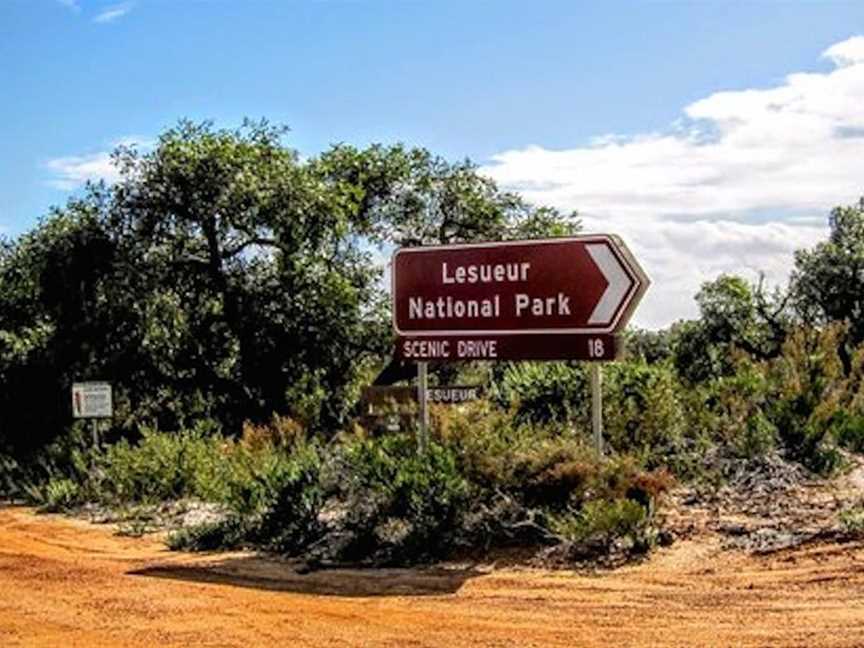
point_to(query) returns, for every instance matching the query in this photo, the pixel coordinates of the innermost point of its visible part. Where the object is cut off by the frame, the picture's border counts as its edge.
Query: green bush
(163, 466)
(848, 429)
(419, 498)
(758, 437)
(602, 521)
(60, 495)
(732, 411)
(496, 452)
(230, 533)
(544, 392)
(274, 493)
(852, 520)
(642, 410)
(67, 457)
(290, 499)
(808, 389)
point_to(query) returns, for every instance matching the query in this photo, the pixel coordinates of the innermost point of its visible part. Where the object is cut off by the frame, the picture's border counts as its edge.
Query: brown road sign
(513, 295)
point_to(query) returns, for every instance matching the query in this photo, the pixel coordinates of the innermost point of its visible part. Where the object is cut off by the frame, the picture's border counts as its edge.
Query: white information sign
(92, 400)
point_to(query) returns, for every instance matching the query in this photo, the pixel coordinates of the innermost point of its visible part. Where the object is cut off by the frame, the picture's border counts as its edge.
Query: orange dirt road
(67, 583)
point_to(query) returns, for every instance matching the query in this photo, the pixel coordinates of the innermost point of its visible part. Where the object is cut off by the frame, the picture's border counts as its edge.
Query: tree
(735, 315)
(225, 277)
(50, 328)
(409, 197)
(253, 257)
(828, 280)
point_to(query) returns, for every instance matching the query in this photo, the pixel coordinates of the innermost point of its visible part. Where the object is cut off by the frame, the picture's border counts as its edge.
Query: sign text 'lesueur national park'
(562, 298)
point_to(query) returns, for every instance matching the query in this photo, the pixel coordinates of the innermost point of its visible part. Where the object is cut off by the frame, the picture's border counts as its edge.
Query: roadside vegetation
(227, 289)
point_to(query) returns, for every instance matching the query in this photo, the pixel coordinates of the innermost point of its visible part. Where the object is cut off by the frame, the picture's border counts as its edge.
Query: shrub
(274, 495)
(407, 504)
(758, 437)
(290, 501)
(229, 533)
(731, 411)
(60, 495)
(545, 392)
(852, 520)
(67, 457)
(163, 466)
(602, 522)
(280, 432)
(848, 429)
(642, 410)
(808, 389)
(494, 451)
(545, 465)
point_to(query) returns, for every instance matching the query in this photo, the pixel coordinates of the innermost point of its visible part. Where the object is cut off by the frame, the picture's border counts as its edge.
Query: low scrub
(402, 506)
(484, 481)
(601, 522)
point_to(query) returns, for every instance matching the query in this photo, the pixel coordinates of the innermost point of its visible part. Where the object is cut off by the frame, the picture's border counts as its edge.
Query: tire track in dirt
(67, 583)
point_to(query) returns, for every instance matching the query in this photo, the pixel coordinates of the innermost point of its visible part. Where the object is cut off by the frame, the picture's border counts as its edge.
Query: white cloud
(109, 14)
(70, 172)
(744, 179)
(848, 52)
(73, 171)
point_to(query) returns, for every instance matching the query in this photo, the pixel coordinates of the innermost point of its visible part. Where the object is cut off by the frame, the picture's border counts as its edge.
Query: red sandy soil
(68, 583)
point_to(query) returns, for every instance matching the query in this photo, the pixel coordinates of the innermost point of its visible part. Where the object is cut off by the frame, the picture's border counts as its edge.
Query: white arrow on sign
(618, 283)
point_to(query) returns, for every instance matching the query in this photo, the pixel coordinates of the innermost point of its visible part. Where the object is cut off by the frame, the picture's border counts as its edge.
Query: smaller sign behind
(454, 394)
(378, 398)
(92, 400)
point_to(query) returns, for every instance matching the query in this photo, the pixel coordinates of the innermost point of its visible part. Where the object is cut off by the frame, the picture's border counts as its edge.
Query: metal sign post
(423, 400)
(597, 406)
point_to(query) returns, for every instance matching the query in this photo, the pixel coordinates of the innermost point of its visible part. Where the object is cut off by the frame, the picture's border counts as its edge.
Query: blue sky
(538, 92)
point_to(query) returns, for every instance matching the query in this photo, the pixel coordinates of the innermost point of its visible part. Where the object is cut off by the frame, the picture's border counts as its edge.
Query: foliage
(733, 411)
(602, 521)
(828, 283)
(61, 494)
(420, 497)
(547, 471)
(852, 520)
(736, 317)
(848, 429)
(162, 467)
(230, 533)
(642, 410)
(225, 278)
(543, 392)
(228, 289)
(649, 346)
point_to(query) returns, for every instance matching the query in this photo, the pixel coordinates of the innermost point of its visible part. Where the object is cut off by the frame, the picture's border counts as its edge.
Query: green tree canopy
(734, 314)
(224, 276)
(828, 280)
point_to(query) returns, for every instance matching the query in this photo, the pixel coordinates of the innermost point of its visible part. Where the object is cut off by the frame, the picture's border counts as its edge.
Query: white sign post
(597, 406)
(92, 400)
